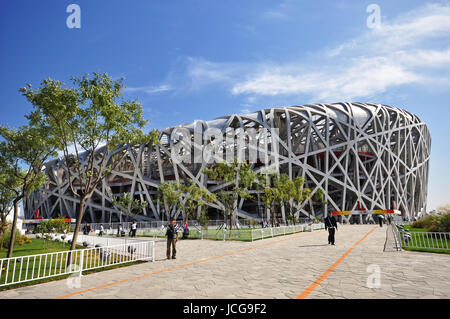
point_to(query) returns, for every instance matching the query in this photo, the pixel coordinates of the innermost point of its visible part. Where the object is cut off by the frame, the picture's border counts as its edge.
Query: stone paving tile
(281, 267)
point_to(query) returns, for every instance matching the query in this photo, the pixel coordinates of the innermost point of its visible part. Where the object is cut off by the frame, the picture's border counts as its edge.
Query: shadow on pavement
(312, 245)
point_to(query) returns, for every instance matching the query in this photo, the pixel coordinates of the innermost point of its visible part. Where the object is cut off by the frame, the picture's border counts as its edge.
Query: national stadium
(362, 156)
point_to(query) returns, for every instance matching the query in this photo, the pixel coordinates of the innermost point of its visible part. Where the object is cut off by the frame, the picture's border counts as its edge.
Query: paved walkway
(300, 265)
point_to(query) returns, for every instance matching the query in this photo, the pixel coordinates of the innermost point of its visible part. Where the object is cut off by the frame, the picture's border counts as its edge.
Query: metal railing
(90, 240)
(422, 240)
(111, 228)
(284, 230)
(393, 241)
(36, 267)
(221, 233)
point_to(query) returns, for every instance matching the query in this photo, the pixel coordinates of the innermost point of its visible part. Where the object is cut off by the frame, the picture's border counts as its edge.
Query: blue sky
(189, 60)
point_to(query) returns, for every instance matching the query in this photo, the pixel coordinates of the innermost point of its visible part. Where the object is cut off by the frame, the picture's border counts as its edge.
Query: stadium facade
(362, 155)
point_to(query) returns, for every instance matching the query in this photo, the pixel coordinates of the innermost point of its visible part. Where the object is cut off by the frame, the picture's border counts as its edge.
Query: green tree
(279, 189)
(170, 193)
(271, 194)
(130, 206)
(92, 120)
(195, 196)
(47, 227)
(239, 177)
(285, 189)
(22, 156)
(203, 220)
(44, 229)
(7, 197)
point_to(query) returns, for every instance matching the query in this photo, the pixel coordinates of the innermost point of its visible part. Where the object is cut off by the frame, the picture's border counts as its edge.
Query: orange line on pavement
(186, 265)
(327, 272)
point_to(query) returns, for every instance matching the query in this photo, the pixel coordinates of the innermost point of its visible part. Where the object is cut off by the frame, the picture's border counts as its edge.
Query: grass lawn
(419, 238)
(36, 247)
(411, 229)
(26, 269)
(439, 251)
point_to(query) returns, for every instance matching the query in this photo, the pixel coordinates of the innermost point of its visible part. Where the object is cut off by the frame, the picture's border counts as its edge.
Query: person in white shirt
(133, 229)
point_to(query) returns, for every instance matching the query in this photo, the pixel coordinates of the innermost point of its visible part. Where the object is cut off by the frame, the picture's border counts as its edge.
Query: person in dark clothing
(380, 220)
(86, 229)
(172, 238)
(331, 226)
(186, 231)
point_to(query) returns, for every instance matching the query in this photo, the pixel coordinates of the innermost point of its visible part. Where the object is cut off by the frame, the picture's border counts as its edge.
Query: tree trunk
(80, 212)
(13, 229)
(2, 232)
(226, 217)
(273, 215)
(231, 222)
(292, 214)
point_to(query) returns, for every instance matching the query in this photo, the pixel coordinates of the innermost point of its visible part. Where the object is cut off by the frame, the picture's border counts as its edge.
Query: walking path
(295, 266)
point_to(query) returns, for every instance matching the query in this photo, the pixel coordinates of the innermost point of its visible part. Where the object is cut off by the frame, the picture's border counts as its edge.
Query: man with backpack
(172, 238)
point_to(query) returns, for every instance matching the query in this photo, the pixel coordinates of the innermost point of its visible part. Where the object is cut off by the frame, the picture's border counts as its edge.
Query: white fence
(34, 267)
(424, 240)
(91, 240)
(111, 228)
(283, 230)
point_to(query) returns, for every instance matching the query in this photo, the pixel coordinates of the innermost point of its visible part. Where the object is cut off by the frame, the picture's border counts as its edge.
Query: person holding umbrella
(380, 219)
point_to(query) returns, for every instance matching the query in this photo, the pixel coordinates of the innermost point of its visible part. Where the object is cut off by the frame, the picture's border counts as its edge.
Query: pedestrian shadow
(312, 246)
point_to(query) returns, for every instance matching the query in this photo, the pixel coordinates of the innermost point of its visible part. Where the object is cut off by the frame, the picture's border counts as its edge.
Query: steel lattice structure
(361, 155)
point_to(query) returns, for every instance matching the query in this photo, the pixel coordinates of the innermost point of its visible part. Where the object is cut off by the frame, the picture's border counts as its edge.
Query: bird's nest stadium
(361, 155)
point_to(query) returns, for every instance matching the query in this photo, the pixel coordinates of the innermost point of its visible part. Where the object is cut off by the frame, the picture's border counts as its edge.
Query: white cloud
(411, 29)
(365, 77)
(412, 49)
(150, 89)
(202, 72)
(278, 13)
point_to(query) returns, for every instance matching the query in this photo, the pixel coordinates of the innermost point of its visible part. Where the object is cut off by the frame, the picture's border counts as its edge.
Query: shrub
(445, 222)
(434, 223)
(22, 240)
(203, 220)
(6, 237)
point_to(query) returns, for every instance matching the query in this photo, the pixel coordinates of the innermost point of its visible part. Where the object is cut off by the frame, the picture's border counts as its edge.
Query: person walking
(186, 230)
(380, 220)
(119, 230)
(172, 238)
(85, 230)
(133, 228)
(331, 226)
(101, 230)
